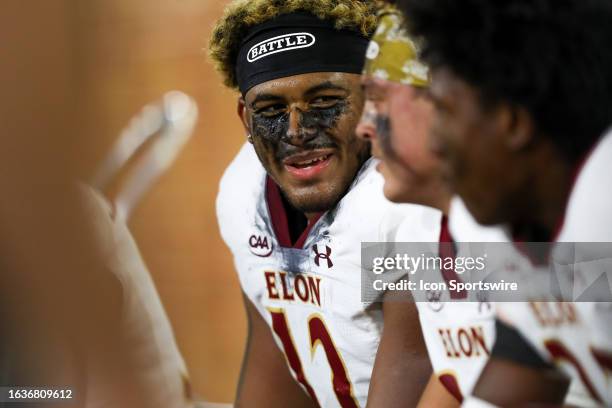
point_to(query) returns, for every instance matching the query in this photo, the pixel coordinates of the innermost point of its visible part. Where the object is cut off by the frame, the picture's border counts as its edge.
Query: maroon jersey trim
(448, 251)
(278, 216)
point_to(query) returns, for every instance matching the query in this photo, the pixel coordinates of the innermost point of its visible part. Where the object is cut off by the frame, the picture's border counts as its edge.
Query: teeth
(309, 162)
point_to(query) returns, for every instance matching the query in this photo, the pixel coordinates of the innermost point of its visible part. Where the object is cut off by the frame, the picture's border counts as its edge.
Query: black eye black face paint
(323, 118)
(271, 129)
(383, 130)
(313, 125)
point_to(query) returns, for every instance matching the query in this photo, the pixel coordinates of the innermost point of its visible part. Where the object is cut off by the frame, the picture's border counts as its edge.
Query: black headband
(297, 43)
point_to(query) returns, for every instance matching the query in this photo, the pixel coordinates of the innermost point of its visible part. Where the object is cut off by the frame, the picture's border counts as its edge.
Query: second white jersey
(459, 335)
(310, 293)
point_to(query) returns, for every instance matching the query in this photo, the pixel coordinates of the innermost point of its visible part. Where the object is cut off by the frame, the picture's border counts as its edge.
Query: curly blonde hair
(241, 15)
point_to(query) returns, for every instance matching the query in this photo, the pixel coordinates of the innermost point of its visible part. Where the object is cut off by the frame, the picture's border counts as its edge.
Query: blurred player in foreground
(80, 318)
(523, 99)
(142, 153)
(296, 204)
(396, 119)
(96, 329)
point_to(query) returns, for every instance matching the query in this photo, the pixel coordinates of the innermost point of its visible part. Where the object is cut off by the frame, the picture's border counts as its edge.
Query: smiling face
(396, 119)
(303, 130)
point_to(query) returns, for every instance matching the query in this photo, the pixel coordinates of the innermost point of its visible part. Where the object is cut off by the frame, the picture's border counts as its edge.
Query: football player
(297, 202)
(523, 100)
(396, 119)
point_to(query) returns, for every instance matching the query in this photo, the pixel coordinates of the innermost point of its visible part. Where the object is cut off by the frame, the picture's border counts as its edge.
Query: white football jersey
(146, 331)
(577, 336)
(459, 335)
(310, 293)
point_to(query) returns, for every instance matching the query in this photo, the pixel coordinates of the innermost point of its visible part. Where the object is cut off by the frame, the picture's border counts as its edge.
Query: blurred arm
(265, 380)
(402, 367)
(506, 383)
(516, 374)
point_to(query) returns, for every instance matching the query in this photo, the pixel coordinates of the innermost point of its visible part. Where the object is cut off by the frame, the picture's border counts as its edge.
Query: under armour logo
(326, 256)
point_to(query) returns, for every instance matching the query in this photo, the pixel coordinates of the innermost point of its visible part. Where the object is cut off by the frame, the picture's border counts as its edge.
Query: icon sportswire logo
(281, 43)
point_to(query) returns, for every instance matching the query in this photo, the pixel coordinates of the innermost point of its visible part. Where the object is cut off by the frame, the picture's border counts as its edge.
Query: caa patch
(260, 245)
(281, 43)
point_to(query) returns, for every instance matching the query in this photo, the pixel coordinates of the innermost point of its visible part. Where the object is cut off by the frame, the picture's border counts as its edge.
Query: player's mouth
(309, 165)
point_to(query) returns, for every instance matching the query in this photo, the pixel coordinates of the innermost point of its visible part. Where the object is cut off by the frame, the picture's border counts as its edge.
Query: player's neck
(296, 220)
(442, 202)
(311, 216)
(438, 197)
(547, 193)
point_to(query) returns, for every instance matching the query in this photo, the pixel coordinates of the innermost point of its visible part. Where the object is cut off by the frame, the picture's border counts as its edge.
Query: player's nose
(296, 134)
(366, 128)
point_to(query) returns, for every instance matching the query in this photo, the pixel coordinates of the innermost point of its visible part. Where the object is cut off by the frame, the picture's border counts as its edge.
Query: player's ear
(518, 126)
(242, 114)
